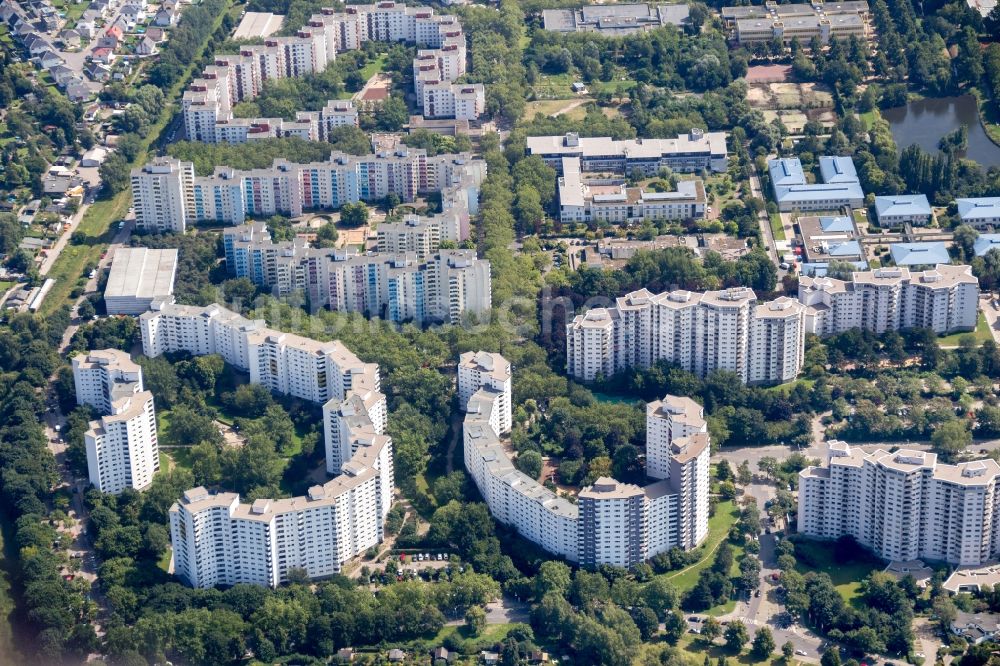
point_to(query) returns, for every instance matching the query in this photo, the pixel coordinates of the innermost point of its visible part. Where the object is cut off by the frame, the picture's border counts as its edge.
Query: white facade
(217, 540)
(478, 370)
(462, 101)
(695, 151)
(122, 447)
(162, 194)
(229, 195)
(701, 332)
(208, 101)
(904, 505)
(944, 299)
(103, 376)
(667, 420)
(613, 523)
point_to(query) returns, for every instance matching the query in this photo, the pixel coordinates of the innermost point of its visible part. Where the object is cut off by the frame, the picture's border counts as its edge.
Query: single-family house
(107, 42)
(396, 656)
(49, 22)
(440, 656)
(61, 74)
(103, 55)
(86, 29)
(133, 11)
(97, 71)
(165, 18)
(156, 34)
(70, 38)
(344, 655)
(903, 209)
(115, 31)
(489, 658)
(979, 213)
(78, 91)
(49, 59)
(146, 46)
(36, 46)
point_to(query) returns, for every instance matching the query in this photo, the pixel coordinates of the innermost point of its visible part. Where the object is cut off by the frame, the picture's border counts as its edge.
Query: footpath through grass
(96, 225)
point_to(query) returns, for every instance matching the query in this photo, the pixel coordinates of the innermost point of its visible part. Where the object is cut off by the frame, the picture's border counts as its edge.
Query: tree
(710, 629)
(86, 309)
(647, 622)
(763, 644)
(674, 627)
(787, 651)
(743, 474)
(115, 173)
(392, 115)
(736, 636)
(529, 462)
(354, 214)
(475, 620)
(951, 438)
(552, 576)
(723, 472)
(831, 657)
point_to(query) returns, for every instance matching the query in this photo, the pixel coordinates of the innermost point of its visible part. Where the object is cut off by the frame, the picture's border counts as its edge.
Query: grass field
(981, 334)
(846, 577)
(493, 634)
(558, 86)
(550, 107)
(696, 649)
(726, 514)
(777, 230)
(96, 225)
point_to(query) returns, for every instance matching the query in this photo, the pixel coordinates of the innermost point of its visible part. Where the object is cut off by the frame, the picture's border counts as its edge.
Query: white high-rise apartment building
(103, 376)
(163, 195)
(229, 195)
(463, 101)
(217, 540)
(668, 420)
(904, 505)
(613, 523)
(478, 370)
(944, 299)
(208, 101)
(122, 448)
(700, 332)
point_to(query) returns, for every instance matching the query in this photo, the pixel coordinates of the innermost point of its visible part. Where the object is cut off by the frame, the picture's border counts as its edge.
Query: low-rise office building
(615, 20)
(786, 22)
(981, 213)
(904, 505)
(695, 151)
(609, 200)
(903, 209)
(792, 191)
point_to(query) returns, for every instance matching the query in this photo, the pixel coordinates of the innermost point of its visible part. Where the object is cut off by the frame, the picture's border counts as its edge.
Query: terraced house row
(612, 523)
(219, 541)
(168, 196)
(209, 100)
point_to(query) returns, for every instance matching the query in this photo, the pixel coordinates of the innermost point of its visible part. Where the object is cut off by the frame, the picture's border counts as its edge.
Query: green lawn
(981, 334)
(696, 649)
(368, 71)
(777, 230)
(493, 634)
(846, 577)
(726, 514)
(869, 118)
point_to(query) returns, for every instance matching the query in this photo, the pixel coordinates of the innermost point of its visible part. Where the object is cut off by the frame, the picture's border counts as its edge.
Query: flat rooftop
(139, 272)
(258, 24)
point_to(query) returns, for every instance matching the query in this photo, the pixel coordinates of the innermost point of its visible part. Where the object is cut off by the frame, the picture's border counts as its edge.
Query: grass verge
(777, 230)
(726, 515)
(981, 334)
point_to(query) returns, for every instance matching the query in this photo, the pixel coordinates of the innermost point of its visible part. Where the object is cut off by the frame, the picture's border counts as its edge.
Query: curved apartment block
(612, 522)
(218, 540)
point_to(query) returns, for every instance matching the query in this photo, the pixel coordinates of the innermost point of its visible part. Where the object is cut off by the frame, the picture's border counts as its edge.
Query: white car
(801, 653)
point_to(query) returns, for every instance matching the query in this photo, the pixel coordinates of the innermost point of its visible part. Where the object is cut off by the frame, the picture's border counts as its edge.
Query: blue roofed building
(979, 213)
(903, 209)
(985, 243)
(919, 254)
(829, 238)
(840, 186)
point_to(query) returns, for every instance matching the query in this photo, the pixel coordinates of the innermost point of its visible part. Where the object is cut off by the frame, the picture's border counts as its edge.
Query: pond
(925, 121)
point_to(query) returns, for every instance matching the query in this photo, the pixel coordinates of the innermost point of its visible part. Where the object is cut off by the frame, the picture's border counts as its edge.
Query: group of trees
(666, 58)
(187, 41)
